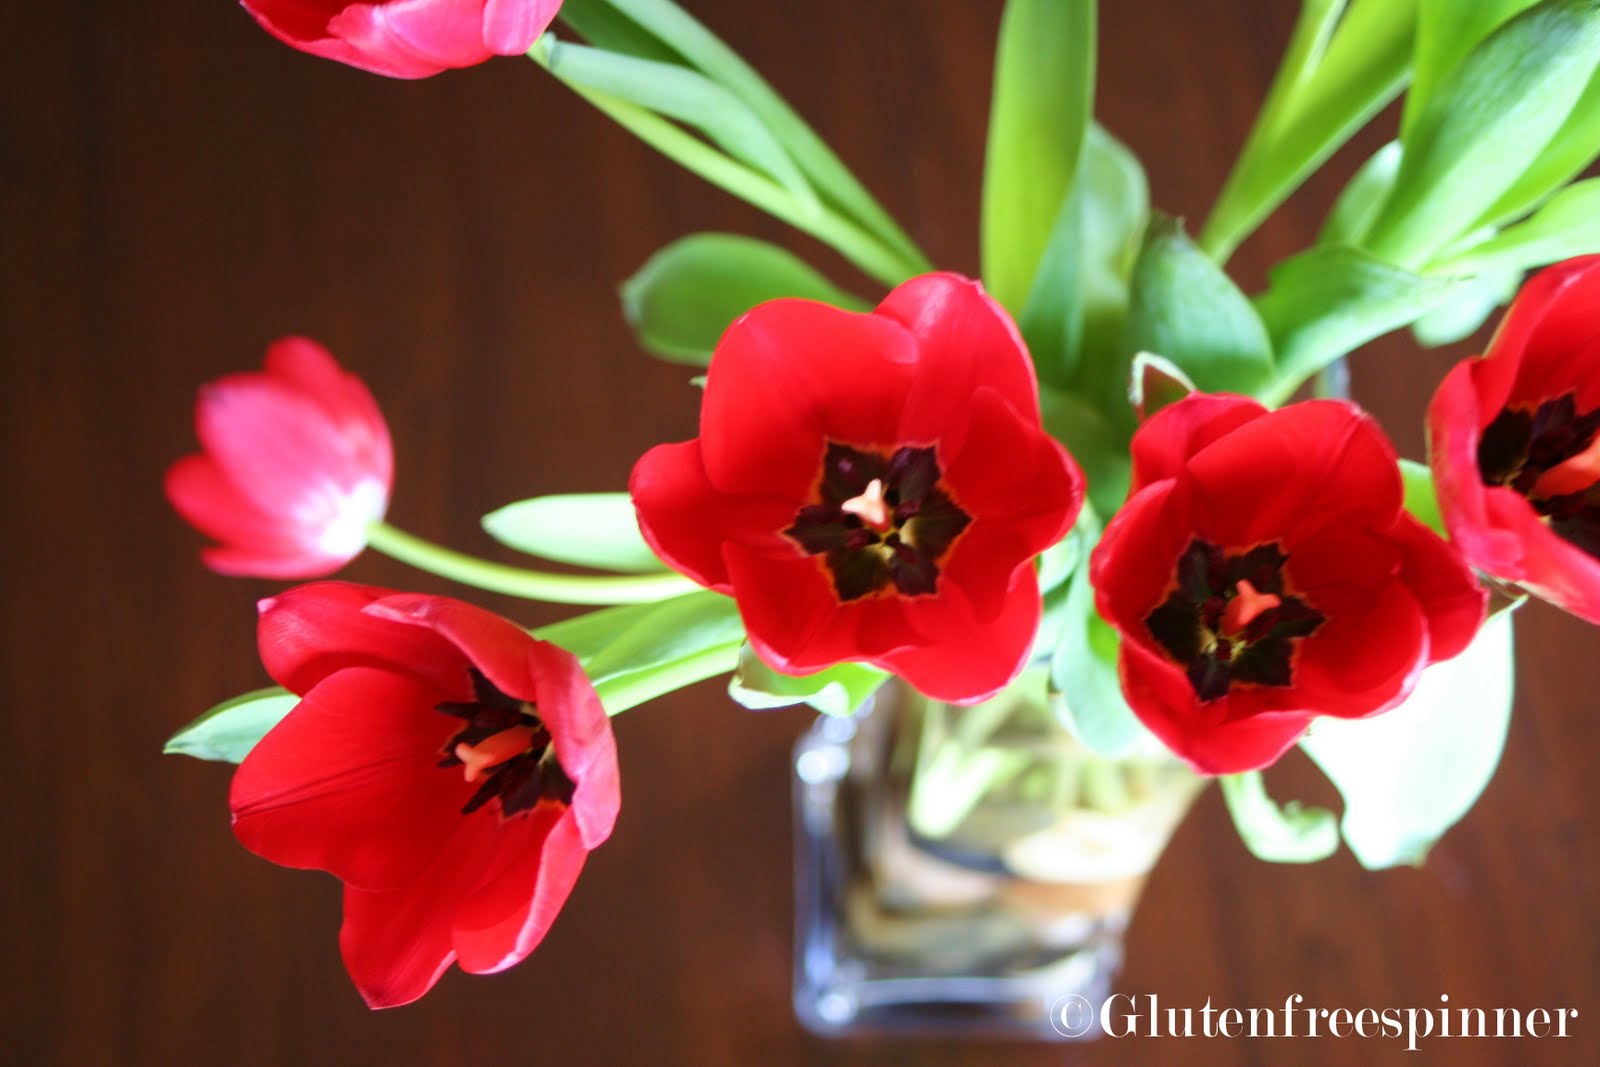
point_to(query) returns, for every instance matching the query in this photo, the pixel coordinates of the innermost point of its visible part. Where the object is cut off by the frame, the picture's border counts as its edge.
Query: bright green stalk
(690, 38)
(519, 582)
(695, 156)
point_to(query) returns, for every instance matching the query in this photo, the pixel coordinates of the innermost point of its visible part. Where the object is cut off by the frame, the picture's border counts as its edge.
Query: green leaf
(660, 635)
(1100, 448)
(1420, 498)
(1287, 834)
(1184, 308)
(1363, 67)
(1358, 205)
(680, 94)
(1043, 96)
(1464, 312)
(1447, 31)
(1568, 154)
(587, 635)
(1494, 113)
(637, 652)
(230, 730)
(838, 690)
(1083, 672)
(683, 298)
(596, 530)
(1326, 302)
(1567, 225)
(1079, 300)
(1410, 774)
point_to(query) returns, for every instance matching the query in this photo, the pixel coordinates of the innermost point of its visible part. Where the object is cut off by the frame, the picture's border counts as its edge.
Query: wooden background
(179, 189)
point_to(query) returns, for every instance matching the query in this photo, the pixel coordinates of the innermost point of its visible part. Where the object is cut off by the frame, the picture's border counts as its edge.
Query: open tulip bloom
(1086, 470)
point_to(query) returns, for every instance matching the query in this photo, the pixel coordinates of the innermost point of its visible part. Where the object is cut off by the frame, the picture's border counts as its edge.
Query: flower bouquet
(1064, 540)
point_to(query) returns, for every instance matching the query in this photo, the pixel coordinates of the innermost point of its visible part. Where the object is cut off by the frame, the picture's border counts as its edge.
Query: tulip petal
(309, 632)
(1327, 462)
(1550, 566)
(1132, 567)
(305, 25)
(685, 520)
(1551, 318)
(511, 26)
(1359, 663)
(441, 34)
(1455, 424)
(310, 370)
(1172, 435)
(1010, 470)
(284, 455)
(199, 491)
(1445, 587)
(396, 944)
(795, 621)
(290, 565)
(1227, 736)
(965, 342)
(790, 376)
(348, 783)
(507, 916)
(991, 655)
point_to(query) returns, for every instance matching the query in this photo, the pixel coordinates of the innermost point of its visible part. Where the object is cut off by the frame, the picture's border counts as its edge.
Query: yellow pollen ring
(493, 751)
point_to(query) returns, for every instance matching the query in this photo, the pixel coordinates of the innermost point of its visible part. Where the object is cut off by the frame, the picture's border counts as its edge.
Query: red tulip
(452, 771)
(406, 38)
(871, 487)
(297, 465)
(1263, 572)
(1514, 441)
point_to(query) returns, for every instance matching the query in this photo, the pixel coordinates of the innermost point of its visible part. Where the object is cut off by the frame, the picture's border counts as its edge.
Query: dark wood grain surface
(178, 189)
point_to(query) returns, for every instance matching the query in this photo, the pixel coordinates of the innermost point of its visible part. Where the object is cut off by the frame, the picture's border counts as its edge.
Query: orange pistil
(493, 751)
(870, 507)
(1246, 606)
(1573, 475)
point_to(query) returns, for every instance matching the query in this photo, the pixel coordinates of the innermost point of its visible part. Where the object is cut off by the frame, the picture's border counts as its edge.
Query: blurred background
(179, 189)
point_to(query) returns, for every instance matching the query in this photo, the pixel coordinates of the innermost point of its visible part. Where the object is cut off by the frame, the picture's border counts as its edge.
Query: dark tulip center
(1229, 618)
(1551, 456)
(506, 749)
(880, 522)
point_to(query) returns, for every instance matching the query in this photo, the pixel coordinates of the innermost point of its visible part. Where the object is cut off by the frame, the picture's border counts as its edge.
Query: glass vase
(968, 870)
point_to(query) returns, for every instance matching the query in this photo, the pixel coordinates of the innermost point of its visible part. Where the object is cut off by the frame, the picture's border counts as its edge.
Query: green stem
(519, 582)
(826, 225)
(1240, 206)
(681, 31)
(631, 690)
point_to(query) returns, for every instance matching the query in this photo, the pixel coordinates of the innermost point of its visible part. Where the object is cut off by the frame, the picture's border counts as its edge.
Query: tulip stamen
(1246, 606)
(880, 524)
(870, 507)
(506, 749)
(1230, 618)
(493, 750)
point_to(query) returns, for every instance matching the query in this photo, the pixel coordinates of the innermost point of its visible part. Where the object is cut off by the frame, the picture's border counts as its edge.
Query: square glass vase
(958, 877)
